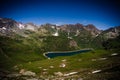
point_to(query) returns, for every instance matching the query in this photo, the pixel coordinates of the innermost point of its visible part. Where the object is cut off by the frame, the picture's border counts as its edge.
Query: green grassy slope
(14, 51)
(83, 63)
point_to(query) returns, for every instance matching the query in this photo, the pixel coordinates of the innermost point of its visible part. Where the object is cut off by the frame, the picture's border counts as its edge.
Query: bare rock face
(73, 43)
(31, 26)
(10, 27)
(92, 29)
(7, 26)
(112, 32)
(7, 23)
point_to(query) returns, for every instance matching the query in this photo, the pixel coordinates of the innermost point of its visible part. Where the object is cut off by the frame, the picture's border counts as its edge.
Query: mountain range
(9, 25)
(83, 36)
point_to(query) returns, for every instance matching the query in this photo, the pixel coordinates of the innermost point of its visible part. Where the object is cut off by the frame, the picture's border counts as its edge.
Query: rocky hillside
(7, 25)
(83, 36)
(111, 32)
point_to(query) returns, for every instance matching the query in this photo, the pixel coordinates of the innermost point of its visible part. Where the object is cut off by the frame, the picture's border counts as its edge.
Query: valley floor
(93, 65)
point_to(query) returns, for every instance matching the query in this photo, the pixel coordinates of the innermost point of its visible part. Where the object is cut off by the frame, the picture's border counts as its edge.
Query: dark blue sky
(102, 13)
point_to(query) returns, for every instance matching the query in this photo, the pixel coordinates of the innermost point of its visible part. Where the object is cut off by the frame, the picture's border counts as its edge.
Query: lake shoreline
(66, 52)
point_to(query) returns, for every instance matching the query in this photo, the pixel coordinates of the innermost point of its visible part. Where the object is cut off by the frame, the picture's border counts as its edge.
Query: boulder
(64, 60)
(58, 73)
(13, 75)
(45, 69)
(51, 66)
(29, 73)
(71, 73)
(96, 71)
(22, 71)
(62, 65)
(114, 54)
(102, 58)
(32, 79)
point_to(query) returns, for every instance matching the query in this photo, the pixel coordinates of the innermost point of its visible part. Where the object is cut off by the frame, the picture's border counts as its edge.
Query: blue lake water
(56, 54)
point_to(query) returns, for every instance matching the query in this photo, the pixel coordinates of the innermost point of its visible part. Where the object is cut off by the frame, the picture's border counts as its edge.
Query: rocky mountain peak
(112, 32)
(8, 26)
(7, 23)
(30, 26)
(92, 29)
